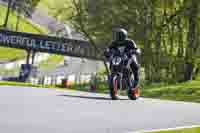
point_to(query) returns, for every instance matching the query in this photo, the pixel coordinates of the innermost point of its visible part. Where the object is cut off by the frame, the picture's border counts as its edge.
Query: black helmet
(119, 34)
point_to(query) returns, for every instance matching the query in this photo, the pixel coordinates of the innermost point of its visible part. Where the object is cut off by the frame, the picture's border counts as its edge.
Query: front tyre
(134, 94)
(114, 88)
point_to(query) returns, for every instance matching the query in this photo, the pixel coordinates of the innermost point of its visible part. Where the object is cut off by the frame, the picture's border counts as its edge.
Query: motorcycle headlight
(125, 57)
(116, 60)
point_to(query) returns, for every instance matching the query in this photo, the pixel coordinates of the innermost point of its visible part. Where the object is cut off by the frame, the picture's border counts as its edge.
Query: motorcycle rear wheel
(134, 94)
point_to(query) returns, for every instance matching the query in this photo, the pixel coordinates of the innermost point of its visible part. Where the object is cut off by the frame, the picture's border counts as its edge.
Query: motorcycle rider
(121, 42)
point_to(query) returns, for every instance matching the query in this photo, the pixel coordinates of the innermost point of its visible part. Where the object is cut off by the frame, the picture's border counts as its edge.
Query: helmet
(119, 34)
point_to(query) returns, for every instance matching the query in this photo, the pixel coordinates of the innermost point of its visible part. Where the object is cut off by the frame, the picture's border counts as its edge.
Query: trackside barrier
(64, 81)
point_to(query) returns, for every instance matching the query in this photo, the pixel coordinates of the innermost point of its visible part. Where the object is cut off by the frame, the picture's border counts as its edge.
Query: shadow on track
(88, 97)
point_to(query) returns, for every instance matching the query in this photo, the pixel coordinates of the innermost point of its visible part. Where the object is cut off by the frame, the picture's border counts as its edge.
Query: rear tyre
(134, 94)
(114, 88)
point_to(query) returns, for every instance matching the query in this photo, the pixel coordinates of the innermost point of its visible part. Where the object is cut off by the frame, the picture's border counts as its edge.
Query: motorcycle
(121, 76)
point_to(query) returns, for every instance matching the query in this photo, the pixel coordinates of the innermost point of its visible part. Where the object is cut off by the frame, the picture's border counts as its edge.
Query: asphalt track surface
(38, 110)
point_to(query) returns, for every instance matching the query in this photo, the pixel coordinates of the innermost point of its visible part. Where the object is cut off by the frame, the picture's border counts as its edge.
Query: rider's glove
(134, 51)
(107, 53)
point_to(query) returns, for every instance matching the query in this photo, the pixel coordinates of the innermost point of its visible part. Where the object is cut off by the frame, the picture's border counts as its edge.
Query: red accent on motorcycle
(136, 92)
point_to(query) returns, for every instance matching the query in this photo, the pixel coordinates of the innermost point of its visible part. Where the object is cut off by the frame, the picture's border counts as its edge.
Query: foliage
(25, 7)
(58, 9)
(22, 7)
(25, 25)
(167, 31)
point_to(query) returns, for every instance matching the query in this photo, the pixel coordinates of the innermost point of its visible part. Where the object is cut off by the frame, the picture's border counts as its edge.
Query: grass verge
(188, 91)
(9, 83)
(186, 130)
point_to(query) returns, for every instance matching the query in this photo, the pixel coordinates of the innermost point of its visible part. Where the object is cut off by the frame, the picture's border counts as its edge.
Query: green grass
(25, 26)
(12, 55)
(22, 84)
(188, 91)
(17, 84)
(189, 130)
(9, 83)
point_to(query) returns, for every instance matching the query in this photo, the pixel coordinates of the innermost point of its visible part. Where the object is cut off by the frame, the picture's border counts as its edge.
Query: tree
(22, 7)
(25, 7)
(7, 14)
(192, 38)
(79, 19)
(167, 31)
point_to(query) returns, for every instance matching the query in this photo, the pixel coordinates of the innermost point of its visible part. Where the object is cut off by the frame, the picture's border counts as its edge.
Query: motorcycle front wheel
(115, 86)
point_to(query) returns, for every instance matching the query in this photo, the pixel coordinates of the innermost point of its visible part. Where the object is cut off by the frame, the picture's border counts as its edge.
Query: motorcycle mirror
(138, 51)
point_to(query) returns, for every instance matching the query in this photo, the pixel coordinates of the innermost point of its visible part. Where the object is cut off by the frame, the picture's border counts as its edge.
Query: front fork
(126, 80)
(119, 78)
(131, 82)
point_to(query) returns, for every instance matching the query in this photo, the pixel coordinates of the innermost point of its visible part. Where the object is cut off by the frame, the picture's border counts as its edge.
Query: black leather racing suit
(128, 45)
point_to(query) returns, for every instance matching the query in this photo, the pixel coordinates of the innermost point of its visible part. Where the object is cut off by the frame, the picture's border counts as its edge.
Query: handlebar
(110, 52)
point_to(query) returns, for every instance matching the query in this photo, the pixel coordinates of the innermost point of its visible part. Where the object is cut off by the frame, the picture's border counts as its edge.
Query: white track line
(167, 129)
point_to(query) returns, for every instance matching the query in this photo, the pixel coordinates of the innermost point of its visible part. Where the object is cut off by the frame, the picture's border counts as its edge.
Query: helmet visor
(119, 35)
